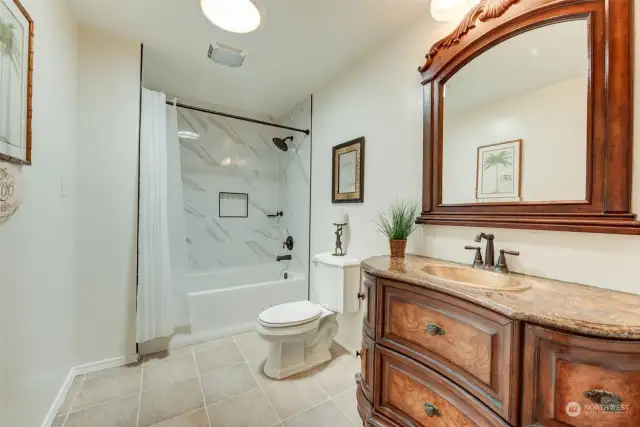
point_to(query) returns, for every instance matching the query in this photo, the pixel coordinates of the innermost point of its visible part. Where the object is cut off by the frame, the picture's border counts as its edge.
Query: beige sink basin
(477, 278)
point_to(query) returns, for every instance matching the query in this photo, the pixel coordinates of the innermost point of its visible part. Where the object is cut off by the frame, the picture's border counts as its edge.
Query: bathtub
(228, 301)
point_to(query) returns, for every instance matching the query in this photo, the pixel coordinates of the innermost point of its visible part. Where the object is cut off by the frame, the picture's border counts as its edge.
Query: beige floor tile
(116, 413)
(227, 382)
(252, 345)
(290, 395)
(257, 365)
(213, 343)
(159, 372)
(349, 405)
(102, 386)
(71, 394)
(338, 375)
(247, 410)
(59, 421)
(170, 401)
(218, 356)
(324, 415)
(193, 419)
(169, 354)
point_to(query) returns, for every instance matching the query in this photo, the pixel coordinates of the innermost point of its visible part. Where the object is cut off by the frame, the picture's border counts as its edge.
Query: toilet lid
(290, 314)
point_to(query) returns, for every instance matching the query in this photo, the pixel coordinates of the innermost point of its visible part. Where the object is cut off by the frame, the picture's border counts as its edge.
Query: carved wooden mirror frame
(609, 116)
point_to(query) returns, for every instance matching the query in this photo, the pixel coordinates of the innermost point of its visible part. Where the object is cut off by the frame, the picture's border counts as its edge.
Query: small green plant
(399, 222)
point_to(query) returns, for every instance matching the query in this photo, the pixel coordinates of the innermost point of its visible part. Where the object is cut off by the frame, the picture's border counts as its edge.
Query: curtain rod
(233, 116)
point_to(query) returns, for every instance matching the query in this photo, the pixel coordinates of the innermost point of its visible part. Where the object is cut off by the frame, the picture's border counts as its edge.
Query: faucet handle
(501, 266)
(509, 252)
(477, 262)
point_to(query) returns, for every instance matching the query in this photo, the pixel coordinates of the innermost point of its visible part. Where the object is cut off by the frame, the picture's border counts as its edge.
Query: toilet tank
(335, 282)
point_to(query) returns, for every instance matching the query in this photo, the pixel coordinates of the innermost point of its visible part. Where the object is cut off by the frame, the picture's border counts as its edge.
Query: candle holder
(338, 233)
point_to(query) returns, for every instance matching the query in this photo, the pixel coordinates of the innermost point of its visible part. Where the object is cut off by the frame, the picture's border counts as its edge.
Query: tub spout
(283, 258)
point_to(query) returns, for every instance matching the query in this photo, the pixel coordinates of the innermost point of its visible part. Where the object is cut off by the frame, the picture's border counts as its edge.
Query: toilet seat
(290, 314)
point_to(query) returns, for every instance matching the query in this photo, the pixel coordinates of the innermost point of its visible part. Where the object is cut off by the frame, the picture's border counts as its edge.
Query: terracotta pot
(398, 248)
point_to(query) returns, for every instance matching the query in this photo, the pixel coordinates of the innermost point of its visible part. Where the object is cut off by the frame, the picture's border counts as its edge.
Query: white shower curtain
(159, 273)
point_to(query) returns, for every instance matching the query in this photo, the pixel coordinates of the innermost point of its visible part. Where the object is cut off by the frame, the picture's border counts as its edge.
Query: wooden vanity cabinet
(567, 376)
(369, 282)
(367, 360)
(414, 395)
(439, 360)
(466, 343)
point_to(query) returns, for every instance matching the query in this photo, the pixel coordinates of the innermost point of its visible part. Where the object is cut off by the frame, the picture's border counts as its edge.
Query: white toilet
(300, 333)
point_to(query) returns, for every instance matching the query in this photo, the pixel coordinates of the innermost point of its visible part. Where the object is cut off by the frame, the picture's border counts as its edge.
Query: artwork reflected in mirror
(498, 172)
(348, 172)
(16, 69)
(532, 87)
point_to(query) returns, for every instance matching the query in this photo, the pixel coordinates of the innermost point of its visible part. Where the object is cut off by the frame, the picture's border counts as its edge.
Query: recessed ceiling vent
(226, 55)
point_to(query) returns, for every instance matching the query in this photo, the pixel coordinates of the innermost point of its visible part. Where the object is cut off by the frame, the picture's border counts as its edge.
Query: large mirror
(515, 120)
(528, 118)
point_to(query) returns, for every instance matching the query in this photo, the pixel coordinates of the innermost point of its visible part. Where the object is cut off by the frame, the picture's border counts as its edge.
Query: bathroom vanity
(527, 125)
(443, 346)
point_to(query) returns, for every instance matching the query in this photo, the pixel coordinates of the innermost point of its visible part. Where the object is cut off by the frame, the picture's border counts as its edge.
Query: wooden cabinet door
(579, 382)
(369, 322)
(367, 358)
(473, 346)
(411, 394)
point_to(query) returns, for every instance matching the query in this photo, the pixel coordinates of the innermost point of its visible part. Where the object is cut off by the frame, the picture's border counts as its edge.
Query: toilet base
(290, 354)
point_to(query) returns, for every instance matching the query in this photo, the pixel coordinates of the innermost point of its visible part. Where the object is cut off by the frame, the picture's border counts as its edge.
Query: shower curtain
(161, 265)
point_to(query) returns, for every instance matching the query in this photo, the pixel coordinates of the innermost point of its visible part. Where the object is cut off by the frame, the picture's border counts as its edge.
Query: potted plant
(398, 224)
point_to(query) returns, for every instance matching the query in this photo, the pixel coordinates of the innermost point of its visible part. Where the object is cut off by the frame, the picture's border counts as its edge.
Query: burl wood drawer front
(369, 321)
(472, 346)
(414, 395)
(567, 377)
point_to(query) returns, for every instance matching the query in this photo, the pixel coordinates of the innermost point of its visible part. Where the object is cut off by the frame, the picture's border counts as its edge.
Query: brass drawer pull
(610, 401)
(434, 329)
(432, 410)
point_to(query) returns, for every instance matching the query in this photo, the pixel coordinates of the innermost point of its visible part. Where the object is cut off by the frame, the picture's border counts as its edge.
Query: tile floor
(214, 384)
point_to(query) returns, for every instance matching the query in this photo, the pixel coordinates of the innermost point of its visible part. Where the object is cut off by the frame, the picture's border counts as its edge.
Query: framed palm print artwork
(16, 72)
(499, 172)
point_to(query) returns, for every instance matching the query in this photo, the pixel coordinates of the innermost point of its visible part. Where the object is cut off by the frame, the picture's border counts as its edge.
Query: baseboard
(81, 370)
(59, 400)
(106, 364)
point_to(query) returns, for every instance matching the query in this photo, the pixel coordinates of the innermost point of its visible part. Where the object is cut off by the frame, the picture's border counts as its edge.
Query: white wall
(381, 98)
(37, 258)
(552, 124)
(108, 105)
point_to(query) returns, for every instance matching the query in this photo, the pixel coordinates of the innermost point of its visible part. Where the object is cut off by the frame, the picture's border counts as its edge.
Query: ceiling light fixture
(236, 16)
(449, 10)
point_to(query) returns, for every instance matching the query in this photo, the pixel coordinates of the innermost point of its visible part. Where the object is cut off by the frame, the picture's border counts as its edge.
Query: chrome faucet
(489, 255)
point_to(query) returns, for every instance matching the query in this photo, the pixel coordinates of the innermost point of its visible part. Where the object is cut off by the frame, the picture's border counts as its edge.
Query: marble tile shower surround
(295, 167)
(237, 156)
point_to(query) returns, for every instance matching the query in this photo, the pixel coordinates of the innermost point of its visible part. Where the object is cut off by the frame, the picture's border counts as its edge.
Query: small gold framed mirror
(348, 172)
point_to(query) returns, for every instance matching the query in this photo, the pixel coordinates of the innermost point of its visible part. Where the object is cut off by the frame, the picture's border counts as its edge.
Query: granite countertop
(569, 306)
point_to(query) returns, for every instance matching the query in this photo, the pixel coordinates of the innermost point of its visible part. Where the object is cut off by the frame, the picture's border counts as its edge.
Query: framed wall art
(499, 171)
(348, 172)
(16, 76)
